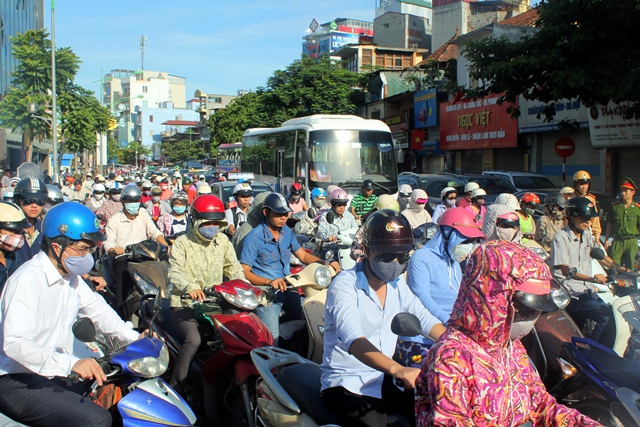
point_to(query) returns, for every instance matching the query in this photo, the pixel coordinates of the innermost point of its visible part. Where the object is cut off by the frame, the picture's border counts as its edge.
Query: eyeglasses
(452, 198)
(83, 251)
(27, 202)
(389, 257)
(507, 223)
(339, 205)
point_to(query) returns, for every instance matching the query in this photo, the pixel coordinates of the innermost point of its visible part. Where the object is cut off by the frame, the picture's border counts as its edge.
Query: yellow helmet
(581, 177)
(385, 201)
(12, 217)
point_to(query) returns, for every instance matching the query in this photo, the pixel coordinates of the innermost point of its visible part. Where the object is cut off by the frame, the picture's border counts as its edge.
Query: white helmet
(478, 192)
(98, 187)
(470, 187)
(243, 189)
(204, 189)
(446, 191)
(509, 200)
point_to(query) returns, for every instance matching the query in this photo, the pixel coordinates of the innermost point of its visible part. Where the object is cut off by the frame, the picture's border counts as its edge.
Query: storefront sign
(482, 123)
(424, 106)
(613, 126)
(338, 40)
(569, 110)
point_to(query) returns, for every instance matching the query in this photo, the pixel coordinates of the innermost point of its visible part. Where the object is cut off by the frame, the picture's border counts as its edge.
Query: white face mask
(461, 251)
(506, 234)
(450, 203)
(98, 196)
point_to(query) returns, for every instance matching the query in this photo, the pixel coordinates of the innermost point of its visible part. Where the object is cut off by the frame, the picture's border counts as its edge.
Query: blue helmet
(72, 220)
(318, 192)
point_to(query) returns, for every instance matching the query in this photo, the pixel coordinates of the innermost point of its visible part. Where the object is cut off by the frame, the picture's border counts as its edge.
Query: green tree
(581, 49)
(113, 149)
(80, 114)
(128, 153)
(227, 125)
(183, 150)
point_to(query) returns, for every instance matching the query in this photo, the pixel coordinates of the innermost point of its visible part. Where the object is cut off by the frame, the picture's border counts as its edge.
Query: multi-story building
(125, 92)
(210, 102)
(327, 38)
(149, 121)
(403, 23)
(15, 17)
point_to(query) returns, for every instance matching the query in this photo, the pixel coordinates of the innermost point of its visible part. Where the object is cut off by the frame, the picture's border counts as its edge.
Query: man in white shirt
(38, 307)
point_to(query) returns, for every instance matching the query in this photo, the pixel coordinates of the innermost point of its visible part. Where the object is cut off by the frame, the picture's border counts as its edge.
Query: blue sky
(218, 46)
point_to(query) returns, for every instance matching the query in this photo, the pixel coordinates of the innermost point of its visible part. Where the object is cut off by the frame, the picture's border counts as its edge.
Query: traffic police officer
(624, 221)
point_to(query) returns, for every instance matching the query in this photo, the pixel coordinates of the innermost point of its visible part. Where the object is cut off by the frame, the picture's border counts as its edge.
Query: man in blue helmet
(38, 307)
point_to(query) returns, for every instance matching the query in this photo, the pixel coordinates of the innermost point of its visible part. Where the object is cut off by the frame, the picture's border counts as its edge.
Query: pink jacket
(475, 375)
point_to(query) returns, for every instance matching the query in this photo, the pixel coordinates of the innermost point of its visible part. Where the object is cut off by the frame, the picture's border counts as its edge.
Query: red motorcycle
(222, 377)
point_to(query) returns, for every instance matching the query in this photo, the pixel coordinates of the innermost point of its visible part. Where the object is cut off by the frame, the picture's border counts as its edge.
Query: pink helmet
(339, 196)
(463, 221)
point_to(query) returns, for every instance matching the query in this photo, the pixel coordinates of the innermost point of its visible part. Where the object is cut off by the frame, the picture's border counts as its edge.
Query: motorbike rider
(156, 206)
(189, 188)
(12, 222)
(146, 192)
(528, 204)
(624, 221)
(501, 222)
(385, 201)
(357, 371)
(449, 195)
(570, 248)
(166, 190)
(203, 245)
(110, 207)
(465, 200)
(31, 195)
(78, 193)
(581, 187)
(36, 350)
(478, 373)
(237, 215)
(204, 189)
(318, 201)
(567, 193)
(404, 193)
(343, 220)
(97, 197)
(132, 225)
(177, 220)
(362, 203)
(415, 211)
(265, 255)
(552, 220)
(478, 198)
(296, 202)
(54, 196)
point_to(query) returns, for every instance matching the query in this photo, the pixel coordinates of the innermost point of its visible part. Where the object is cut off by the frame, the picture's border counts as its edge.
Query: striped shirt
(362, 205)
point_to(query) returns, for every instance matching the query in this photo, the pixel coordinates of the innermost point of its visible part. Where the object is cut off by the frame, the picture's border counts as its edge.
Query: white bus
(322, 150)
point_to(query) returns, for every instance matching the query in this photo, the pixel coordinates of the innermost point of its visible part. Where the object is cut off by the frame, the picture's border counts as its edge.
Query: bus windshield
(347, 157)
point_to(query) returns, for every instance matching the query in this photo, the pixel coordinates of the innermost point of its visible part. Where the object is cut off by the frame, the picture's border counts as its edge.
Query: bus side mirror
(306, 155)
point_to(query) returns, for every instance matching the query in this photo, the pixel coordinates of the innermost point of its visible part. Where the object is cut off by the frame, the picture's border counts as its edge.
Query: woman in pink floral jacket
(478, 373)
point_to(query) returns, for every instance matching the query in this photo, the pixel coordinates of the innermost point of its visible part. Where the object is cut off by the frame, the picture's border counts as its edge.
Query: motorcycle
(327, 250)
(222, 373)
(288, 389)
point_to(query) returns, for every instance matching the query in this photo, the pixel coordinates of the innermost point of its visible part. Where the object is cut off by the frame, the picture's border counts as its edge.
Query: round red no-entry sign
(565, 147)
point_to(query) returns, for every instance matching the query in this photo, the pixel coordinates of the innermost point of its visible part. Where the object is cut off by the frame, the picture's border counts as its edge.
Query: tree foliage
(228, 125)
(184, 150)
(434, 74)
(128, 154)
(582, 49)
(80, 115)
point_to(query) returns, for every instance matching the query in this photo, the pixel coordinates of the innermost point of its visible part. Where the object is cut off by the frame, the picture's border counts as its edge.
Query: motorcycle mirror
(330, 217)
(84, 330)
(572, 272)
(406, 324)
(418, 233)
(157, 301)
(597, 253)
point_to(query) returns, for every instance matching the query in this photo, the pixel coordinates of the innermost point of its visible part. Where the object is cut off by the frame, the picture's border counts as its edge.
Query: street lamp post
(54, 118)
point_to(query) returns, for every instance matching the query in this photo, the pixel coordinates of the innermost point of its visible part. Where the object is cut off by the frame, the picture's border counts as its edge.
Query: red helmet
(207, 207)
(463, 221)
(530, 198)
(296, 189)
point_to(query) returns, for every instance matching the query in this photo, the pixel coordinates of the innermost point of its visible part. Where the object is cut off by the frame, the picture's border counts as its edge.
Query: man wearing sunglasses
(342, 219)
(31, 196)
(358, 371)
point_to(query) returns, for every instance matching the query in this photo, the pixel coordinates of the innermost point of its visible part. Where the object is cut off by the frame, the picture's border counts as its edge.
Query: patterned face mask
(11, 242)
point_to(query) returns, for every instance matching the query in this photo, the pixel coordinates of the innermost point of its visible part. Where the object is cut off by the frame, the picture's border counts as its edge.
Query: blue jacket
(434, 277)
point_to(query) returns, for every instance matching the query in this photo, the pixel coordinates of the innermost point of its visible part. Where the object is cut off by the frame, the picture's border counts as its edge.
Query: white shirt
(122, 231)
(37, 310)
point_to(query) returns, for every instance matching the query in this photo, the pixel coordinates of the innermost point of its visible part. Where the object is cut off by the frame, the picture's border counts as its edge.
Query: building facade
(329, 37)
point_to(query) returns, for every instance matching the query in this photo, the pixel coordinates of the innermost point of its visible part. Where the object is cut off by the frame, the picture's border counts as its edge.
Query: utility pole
(54, 111)
(143, 42)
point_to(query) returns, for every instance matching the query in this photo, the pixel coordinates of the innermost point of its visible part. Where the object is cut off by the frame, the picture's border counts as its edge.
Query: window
(145, 104)
(144, 89)
(375, 115)
(385, 25)
(150, 134)
(150, 119)
(170, 93)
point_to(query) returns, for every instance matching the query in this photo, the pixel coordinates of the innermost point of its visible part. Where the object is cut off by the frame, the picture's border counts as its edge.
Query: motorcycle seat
(622, 372)
(302, 382)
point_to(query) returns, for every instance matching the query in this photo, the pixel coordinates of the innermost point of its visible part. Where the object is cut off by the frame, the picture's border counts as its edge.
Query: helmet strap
(58, 258)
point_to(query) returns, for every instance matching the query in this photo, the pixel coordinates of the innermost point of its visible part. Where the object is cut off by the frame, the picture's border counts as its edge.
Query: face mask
(461, 251)
(11, 242)
(451, 203)
(295, 198)
(506, 234)
(208, 232)
(480, 202)
(132, 208)
(387, 271)
(319, 202)
(521, 329)
(179, 209)
(79, 265)
(530, 211)
(146, 192)
(116, 197)
(155, 199)
(98, 196)
(164, 187)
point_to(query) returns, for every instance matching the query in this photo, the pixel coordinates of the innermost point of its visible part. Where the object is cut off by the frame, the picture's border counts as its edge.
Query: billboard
(424, 107)
(341, 39)
(612, 126)
(478, 124)
(570, 110)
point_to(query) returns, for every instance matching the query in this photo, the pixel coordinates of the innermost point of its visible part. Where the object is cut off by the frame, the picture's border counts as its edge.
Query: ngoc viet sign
(477, 124)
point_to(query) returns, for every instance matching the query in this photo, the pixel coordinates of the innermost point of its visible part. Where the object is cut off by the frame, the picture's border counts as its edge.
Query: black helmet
(580, 206)
(112, 175)
(131, 193)
(31, 188)
(115, 190)
(186, 181)
(555, 199)
(54, 194)
(277, 203)
(388, 231)
(367, 184)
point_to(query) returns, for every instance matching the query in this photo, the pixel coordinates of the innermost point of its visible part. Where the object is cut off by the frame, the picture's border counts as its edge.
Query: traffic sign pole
(565, 147)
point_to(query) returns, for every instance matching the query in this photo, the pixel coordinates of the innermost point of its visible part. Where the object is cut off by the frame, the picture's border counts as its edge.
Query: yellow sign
(112, 123)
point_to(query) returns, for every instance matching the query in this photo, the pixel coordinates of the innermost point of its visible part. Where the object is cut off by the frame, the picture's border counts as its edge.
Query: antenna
(143, 42)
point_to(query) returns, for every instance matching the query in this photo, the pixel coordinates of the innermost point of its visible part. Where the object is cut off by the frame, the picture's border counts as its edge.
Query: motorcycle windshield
(152, 272)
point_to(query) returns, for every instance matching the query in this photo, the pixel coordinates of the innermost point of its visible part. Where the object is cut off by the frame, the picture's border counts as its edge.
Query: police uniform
(626, 229)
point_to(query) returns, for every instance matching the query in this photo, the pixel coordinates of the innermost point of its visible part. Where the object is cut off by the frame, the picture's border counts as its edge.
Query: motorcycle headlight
(243, 298)
(560, 298)
(145, 287)
(151, 367)
(322, 276)
(624, 282)
(541, 252)
(329, 255)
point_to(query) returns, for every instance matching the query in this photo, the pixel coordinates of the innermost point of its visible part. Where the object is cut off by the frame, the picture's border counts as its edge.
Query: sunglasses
(27, 202)
(507, 223)
(98, 192)
(473, 241)
(452, 198)
(338, 205)
(389, 257)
